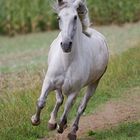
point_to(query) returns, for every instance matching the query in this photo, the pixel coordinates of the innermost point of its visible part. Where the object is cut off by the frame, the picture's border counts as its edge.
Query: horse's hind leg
(46, 88)
(59, 100)
(90, 91)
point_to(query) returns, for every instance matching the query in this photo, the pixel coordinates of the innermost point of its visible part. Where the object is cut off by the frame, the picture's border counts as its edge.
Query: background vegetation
(23, 16)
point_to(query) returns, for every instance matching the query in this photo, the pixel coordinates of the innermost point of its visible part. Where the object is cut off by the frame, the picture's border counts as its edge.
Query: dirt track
(111, 114)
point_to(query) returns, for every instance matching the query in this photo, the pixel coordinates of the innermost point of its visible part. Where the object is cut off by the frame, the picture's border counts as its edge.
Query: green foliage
(111, 11)
(22, 16)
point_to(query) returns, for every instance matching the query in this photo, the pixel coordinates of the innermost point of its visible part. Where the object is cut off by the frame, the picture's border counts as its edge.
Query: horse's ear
(60, 2)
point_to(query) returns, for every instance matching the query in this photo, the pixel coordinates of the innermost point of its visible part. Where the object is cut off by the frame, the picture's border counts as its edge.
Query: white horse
(75, 61)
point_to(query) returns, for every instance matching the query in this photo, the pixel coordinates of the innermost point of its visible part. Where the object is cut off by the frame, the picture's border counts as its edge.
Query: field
(23, 62)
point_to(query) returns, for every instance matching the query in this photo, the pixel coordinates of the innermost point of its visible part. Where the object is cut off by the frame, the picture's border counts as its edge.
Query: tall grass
(23, 16)
(16, 108)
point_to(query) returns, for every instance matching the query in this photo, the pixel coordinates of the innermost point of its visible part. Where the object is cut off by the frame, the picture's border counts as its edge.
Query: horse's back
(98, 43)
(96, 33)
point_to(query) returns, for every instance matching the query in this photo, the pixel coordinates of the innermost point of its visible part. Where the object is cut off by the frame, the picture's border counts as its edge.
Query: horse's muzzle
(66, 46)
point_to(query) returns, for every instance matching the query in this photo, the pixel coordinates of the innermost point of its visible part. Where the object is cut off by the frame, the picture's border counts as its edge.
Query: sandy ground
(114, 112)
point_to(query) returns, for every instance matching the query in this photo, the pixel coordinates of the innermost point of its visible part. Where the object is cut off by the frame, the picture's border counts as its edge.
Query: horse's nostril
(70, 44)
(61, 43)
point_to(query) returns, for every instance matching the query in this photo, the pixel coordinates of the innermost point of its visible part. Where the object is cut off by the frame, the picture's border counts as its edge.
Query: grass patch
(22, 16)
(24, 52)
(16, 108)
(128, 131)
(15, 113)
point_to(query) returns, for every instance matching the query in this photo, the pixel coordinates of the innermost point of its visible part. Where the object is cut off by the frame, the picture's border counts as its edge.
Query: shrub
(111, 11)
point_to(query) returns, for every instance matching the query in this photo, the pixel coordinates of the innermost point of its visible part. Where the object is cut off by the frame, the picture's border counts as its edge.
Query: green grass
(15, 113)
(16, 108)
(128, 131)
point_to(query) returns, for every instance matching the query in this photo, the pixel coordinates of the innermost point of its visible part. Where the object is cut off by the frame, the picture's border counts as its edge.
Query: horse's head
(67, 17)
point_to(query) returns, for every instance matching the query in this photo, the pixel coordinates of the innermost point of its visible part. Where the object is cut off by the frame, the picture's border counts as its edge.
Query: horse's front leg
(90, 90)
(46, 88)
(63, 121)
(59, 100)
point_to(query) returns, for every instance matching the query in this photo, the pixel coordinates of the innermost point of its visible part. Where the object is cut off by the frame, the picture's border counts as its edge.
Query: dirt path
(111, 114)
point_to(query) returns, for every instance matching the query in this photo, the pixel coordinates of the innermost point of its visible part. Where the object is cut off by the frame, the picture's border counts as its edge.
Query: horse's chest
(67, 84)
(69, 76)
(70, 85)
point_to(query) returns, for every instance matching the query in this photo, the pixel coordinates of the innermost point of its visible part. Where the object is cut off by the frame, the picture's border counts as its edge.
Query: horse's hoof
(71, 136)
(60, 129)
(35, 121)
(52, 126)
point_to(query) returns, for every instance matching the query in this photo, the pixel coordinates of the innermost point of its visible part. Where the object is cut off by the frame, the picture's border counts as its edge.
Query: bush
(22, 16)
(111, 11)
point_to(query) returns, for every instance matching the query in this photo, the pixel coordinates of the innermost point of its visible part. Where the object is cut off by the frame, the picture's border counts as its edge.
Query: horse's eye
(75, 17)
(58, 18)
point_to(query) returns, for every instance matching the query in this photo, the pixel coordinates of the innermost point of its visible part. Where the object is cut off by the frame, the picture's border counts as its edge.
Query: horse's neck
(77, 41)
